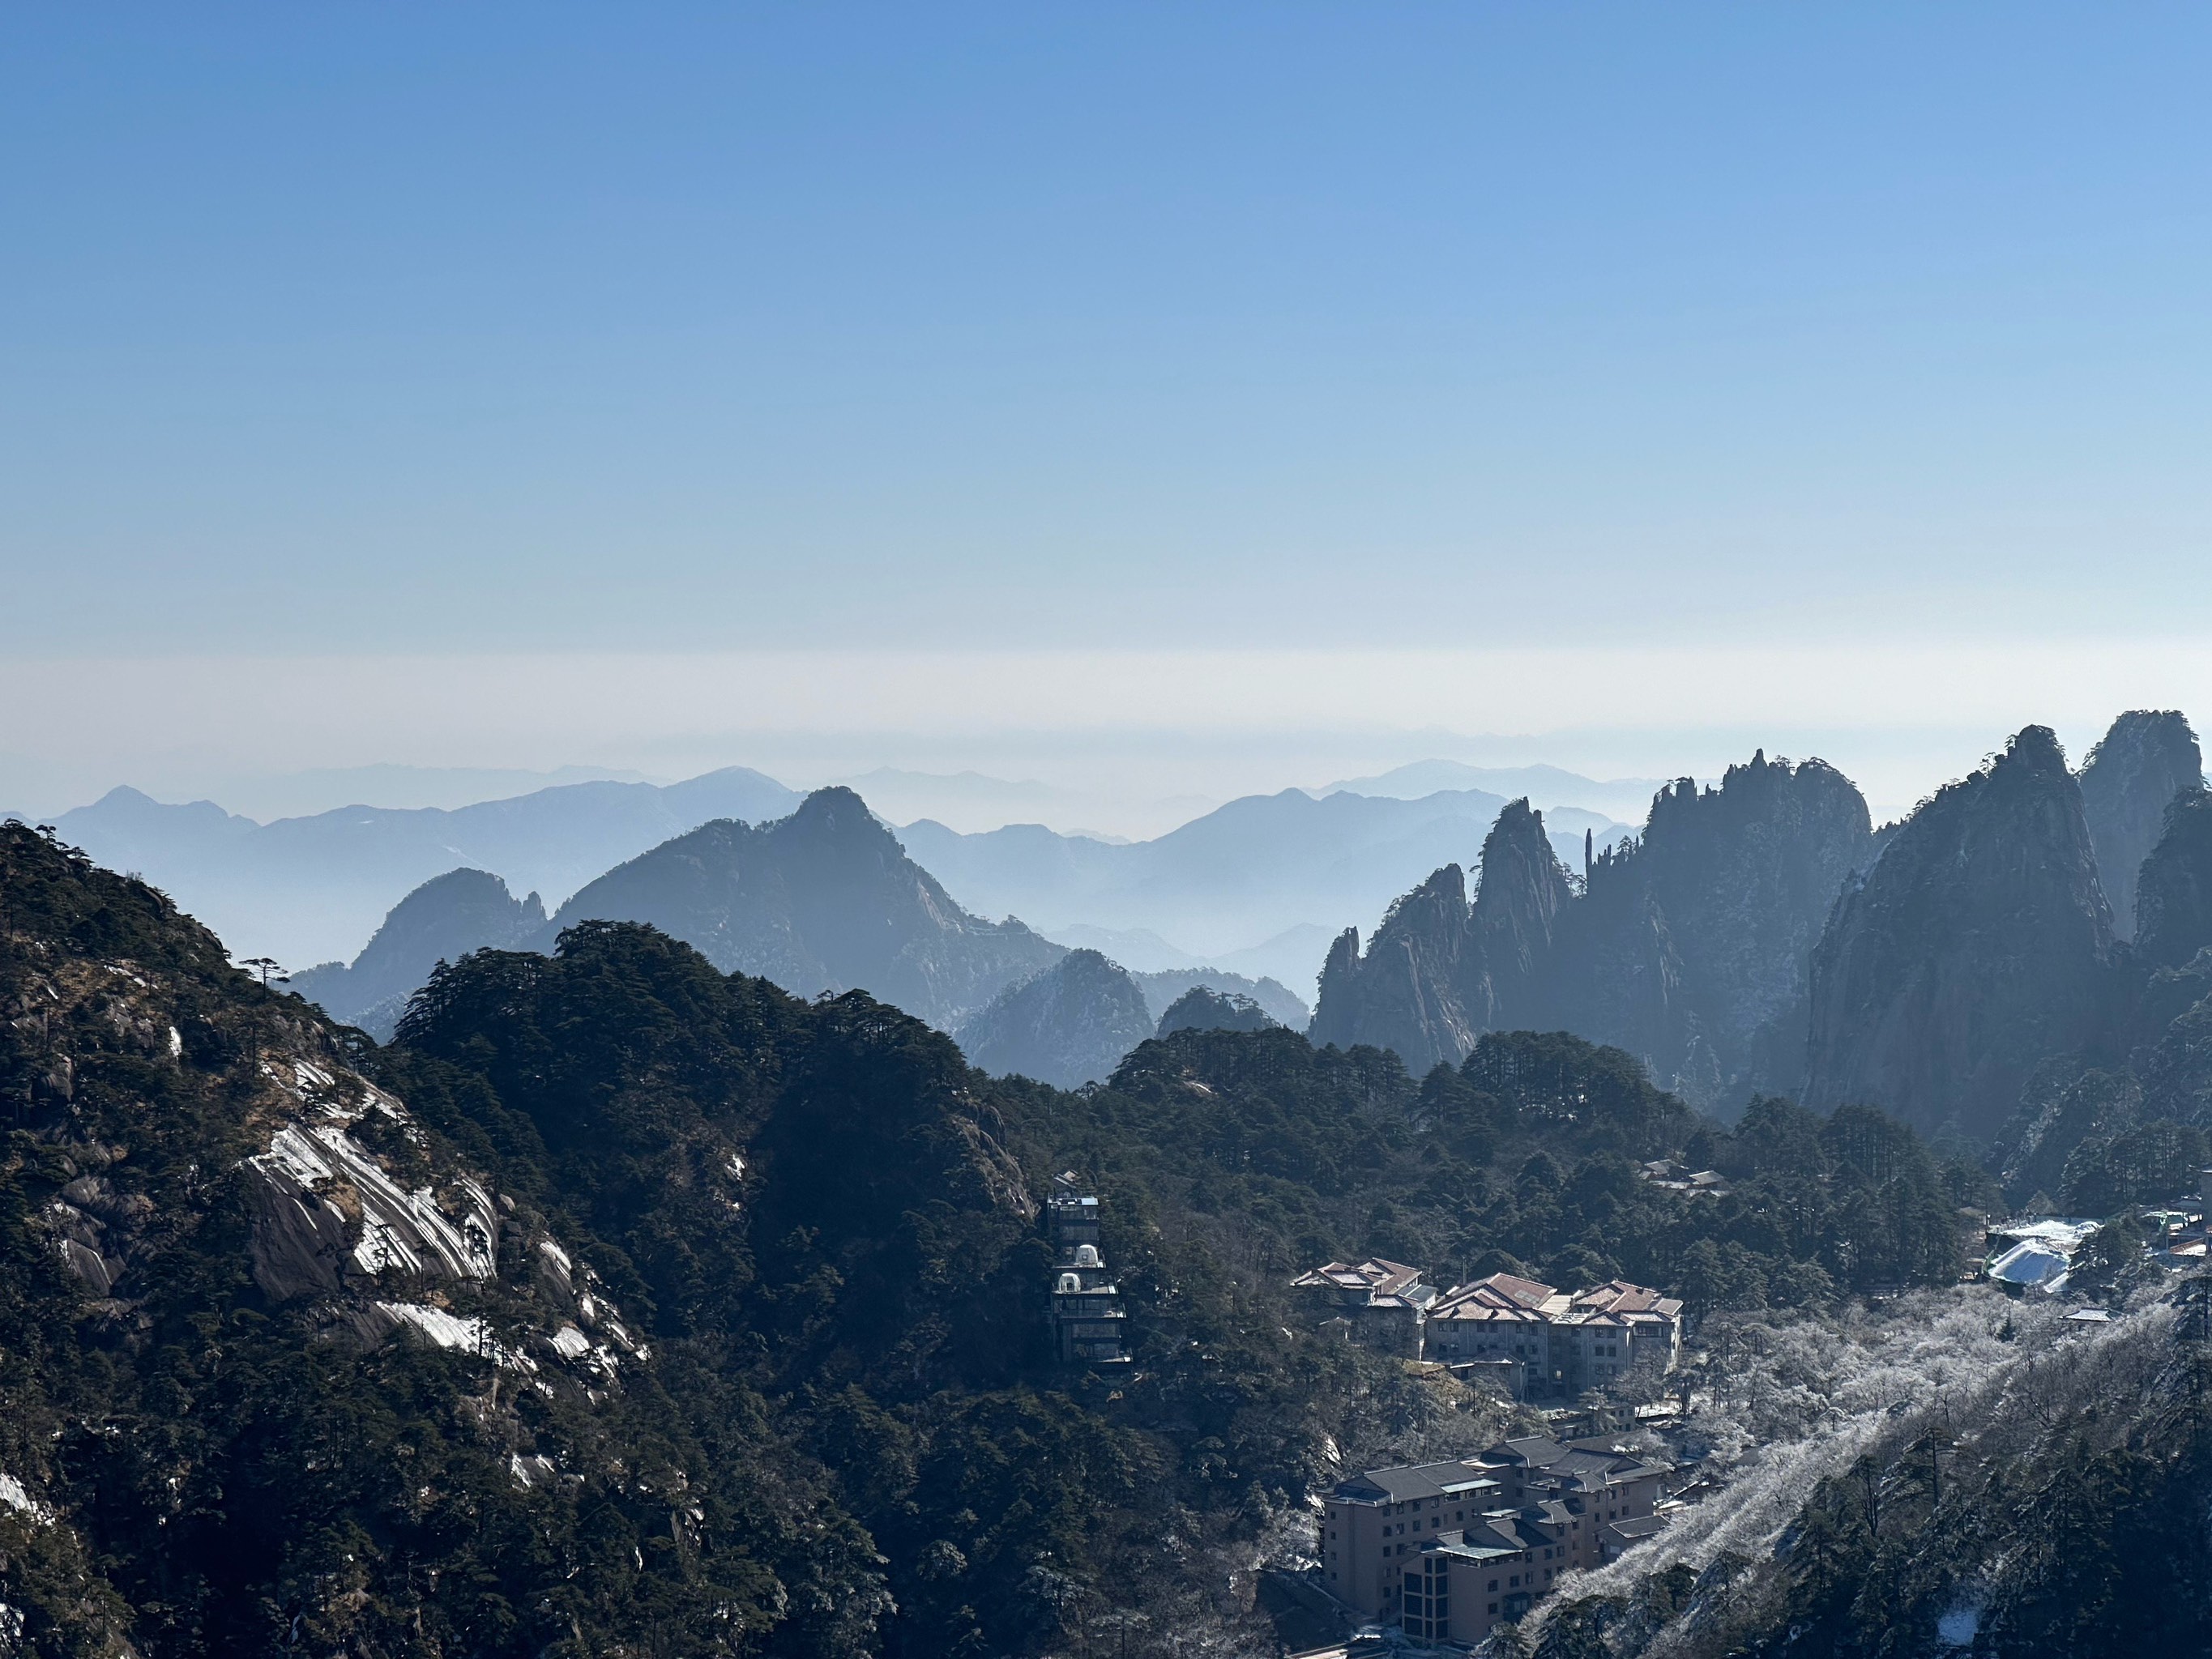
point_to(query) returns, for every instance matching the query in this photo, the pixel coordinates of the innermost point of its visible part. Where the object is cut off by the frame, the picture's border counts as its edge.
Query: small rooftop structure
(1667, 1173)
(2033, 1264)
(1371, 1283)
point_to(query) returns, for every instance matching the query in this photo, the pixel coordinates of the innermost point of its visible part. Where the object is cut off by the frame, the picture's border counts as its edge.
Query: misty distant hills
(1247, 872)
(1551, 789)
(312, 889)
(1258, 886)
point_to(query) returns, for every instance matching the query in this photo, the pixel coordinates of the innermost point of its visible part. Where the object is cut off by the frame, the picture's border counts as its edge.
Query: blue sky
(344, 332)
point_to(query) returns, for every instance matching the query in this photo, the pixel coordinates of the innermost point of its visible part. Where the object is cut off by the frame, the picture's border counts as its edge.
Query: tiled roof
(1376, 1277)
(1501, 1294)
(1410, 1480)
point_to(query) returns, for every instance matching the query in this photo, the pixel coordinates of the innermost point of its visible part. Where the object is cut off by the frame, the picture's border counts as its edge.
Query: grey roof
(1571, 1464)
(1408, 1481)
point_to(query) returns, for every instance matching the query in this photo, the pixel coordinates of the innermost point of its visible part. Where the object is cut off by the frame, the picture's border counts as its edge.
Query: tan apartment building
(1450, 1550)
(1377, 1304)
(1559, 1344)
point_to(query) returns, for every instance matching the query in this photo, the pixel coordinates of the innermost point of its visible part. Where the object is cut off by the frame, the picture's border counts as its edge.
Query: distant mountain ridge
(1246, 872)
(309, 889)
(824, 900)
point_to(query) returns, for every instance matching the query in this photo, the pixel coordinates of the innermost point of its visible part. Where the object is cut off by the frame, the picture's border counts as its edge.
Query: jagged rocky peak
(1518, 900)
(2137, 767)
(1407, 993)
(1978, 946)
(1068, 1026)
(2173, 903)
(1744, 876)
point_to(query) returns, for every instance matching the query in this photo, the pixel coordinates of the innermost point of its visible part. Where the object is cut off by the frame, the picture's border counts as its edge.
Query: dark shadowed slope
(825, 899)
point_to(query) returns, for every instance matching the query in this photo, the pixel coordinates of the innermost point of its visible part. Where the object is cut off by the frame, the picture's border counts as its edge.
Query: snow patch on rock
(17, 1497)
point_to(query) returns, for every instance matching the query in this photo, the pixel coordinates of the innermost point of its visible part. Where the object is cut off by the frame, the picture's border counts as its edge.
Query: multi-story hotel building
(1086, 1304)
(1449, 1551)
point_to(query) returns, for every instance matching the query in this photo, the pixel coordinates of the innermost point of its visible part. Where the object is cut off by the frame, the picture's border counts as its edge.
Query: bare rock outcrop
(1690, 948)
(1407, 992)
(2173, 902)
(2131, 776)
(1979, 944)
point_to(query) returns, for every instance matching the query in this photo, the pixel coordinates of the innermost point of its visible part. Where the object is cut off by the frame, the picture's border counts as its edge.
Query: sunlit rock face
(1979, 944)
(2131, 776)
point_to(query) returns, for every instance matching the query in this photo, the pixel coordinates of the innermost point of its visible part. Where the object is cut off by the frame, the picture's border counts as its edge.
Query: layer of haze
(1173, 400)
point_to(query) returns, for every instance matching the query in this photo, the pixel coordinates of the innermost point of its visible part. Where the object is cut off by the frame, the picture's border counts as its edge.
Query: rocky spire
(2173, 904)
(1405, 993)
(2131, 775)
(1975, 947)
(1517, 902)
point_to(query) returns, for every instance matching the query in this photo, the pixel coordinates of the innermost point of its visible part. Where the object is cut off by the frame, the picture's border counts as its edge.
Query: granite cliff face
(1702, 930)
(1519, 901)
(1979, 944)
(1070, 1025)
(1407, 992)
(1689, 948)
(2146, 759)
(442, 920)
(2173, 903)
(825, 899)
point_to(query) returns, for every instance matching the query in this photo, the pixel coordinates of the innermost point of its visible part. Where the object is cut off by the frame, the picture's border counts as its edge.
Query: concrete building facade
(1449, 1551)
(1377, 1304)
(1087, 1317)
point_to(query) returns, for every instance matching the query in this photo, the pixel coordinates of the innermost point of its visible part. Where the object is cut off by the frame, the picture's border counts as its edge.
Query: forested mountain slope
(443, 920)
(623, 1306)
(1951, 1474)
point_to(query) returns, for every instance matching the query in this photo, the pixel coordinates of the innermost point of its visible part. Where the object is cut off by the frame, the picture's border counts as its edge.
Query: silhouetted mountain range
(822, 900)
(1688, 947)
(311, 889)
(1962, 969)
